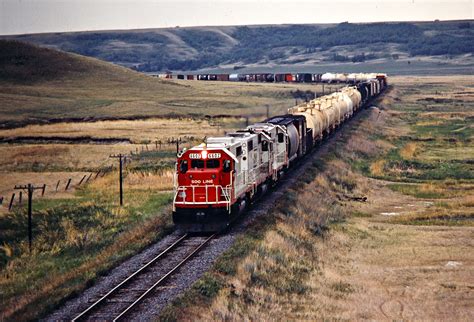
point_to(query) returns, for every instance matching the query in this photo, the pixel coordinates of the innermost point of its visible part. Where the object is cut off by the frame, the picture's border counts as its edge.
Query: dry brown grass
(363, 145)
(137, 131)
(24, 157)
(10, 179)
(48, 163)
(431, 188)
(383, 272)
(377, 168)
(61, 162)
(408, 152)
(431, 122)
(468, 201)
(159, 182)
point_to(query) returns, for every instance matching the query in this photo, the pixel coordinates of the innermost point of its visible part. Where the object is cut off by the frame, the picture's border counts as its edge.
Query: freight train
(279, 78)
(217, 180)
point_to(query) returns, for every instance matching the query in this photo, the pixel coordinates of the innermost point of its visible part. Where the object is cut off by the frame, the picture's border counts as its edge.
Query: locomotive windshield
(204, 164)
(197, 164)
(212, 164)
(208, 164)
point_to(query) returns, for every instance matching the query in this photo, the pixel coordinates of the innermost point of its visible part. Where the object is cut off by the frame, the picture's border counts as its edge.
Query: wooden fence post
(68, 183)
(82, 179)
(11, 202)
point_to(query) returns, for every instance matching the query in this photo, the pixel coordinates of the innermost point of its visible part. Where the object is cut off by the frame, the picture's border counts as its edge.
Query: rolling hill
(194, 48)
(41, 85)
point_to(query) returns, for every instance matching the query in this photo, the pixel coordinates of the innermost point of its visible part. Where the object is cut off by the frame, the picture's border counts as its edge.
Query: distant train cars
(216, 180)
(352, 78)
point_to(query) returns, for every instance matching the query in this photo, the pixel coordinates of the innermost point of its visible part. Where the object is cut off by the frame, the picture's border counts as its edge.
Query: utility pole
(121, 158)
(30, 189)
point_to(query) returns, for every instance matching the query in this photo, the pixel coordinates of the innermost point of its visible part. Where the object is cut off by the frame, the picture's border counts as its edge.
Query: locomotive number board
(202, 156)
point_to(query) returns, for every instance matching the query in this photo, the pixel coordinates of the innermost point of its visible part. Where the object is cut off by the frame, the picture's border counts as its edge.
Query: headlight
(182, 194)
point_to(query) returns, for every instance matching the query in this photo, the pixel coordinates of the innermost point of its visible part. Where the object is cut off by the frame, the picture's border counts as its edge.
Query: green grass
(450, 130)
(360, 214)
(451, 141)
(414, 190)
(438, 220)
(69, 234)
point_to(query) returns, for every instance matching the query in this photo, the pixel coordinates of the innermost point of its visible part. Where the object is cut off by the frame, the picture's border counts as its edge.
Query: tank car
(328, 78)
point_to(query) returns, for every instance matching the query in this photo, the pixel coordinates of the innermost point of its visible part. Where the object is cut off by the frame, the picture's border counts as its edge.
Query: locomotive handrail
(225, 192)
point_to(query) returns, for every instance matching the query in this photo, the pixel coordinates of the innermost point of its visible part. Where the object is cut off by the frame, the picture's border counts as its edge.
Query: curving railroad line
(128, 294)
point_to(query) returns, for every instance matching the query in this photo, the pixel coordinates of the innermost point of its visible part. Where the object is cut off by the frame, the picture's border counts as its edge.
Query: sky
(36, 16)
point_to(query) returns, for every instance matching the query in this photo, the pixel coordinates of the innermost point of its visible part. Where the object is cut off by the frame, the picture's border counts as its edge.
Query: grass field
(404, 253)
(411, 157)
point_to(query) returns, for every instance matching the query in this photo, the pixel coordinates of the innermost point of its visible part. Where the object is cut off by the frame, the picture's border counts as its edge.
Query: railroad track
(128, 294)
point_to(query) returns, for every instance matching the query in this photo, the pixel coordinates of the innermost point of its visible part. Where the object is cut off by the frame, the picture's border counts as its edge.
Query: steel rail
(189, 256)
(112, 291)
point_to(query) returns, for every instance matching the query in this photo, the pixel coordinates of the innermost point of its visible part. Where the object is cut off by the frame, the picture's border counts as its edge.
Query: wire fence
(71, 183)
(138, 154)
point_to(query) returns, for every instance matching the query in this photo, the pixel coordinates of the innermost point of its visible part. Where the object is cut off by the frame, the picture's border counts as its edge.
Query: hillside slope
(151, 50)
(40, 85)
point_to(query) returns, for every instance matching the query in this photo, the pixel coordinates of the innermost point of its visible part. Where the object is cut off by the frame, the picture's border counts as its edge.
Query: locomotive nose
(204, 177)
